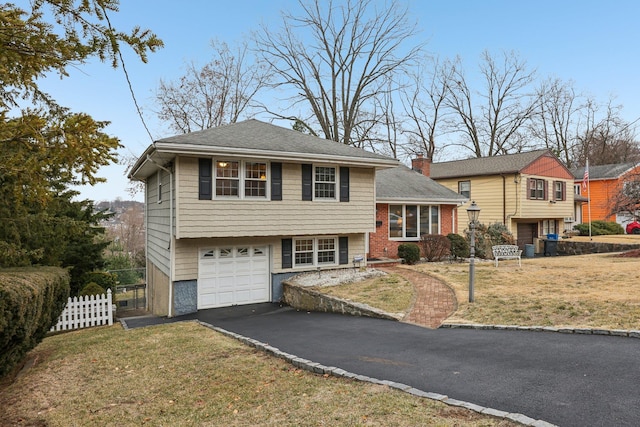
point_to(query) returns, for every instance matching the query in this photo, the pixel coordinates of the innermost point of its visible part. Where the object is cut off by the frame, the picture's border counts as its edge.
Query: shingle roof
(508, 163)
(253, 138)
(401, 183)
(603, 171)
(254, 135)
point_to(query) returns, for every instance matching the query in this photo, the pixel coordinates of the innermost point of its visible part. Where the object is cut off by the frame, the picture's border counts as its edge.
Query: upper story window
(537, 189)
(464, 188)
(577, 189)
(238, 179)
(559, 190)
(324, 184)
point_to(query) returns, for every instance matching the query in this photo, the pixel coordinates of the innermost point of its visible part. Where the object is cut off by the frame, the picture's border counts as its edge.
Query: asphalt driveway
(564, 379)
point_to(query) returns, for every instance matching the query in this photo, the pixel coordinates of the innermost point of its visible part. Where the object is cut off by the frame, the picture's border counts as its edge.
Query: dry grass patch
(599, 291)
(390, 293)
(185, 374)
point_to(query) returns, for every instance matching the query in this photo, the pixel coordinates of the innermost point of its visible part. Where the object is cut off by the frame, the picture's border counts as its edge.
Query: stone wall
(569, 247)
(303, 298)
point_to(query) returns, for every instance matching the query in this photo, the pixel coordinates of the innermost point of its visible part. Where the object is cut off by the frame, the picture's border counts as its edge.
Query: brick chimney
(421, 165)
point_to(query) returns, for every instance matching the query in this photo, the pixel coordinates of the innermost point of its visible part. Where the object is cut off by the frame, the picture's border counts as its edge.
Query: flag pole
(588, 187)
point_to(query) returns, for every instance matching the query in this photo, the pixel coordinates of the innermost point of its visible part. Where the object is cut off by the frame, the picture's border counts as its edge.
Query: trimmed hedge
(409, 252)
(599, 228)
(31, 300)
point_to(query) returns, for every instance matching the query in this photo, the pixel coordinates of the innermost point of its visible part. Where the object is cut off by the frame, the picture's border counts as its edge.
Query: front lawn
(598, 291)
(185, 374)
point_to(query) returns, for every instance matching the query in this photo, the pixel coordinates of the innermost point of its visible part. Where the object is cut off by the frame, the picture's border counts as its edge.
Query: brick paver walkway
(434, 301)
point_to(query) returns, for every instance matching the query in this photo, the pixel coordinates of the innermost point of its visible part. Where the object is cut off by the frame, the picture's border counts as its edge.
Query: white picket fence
(85, 312)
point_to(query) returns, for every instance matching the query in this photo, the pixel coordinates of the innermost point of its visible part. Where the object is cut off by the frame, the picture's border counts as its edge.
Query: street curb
(628, 333)
(317, 368)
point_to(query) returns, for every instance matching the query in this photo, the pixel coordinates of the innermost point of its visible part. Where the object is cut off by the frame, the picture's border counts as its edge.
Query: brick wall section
(379, 241)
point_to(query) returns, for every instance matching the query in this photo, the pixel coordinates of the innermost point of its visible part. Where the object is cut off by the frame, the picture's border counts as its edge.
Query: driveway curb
(317, 368)
(629, 333)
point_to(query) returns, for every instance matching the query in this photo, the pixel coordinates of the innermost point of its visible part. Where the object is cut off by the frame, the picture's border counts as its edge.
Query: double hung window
(240, 179)
(315, 251)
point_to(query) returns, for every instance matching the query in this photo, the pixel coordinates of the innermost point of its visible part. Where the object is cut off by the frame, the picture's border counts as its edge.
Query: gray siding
(158, 236)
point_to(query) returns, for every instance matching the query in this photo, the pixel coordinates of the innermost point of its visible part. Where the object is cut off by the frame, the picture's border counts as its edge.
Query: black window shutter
(307, 182)
(546, 190)
(343, 250)
(344, 184)
(205, 183)
(287, 253)
(564, 191)
(276, 181)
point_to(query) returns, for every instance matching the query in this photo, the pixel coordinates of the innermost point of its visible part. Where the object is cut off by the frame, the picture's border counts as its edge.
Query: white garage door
(233, 275)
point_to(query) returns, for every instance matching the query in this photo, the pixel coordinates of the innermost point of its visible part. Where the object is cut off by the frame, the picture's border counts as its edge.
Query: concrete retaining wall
(303, 298)
(569, 247)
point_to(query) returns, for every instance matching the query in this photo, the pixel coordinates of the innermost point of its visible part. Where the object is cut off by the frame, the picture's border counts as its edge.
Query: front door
(527, 231)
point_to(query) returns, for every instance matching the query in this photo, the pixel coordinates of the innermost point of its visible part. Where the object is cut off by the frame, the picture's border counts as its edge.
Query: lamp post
(474, 212)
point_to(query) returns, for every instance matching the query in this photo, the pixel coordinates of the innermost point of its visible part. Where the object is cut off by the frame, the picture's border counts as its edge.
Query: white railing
(86, 311)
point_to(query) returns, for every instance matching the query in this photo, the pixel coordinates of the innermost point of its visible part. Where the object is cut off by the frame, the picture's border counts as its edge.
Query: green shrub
(103, 279)
(92, 288)
(409, 252)
(599, 228)
(31, 300)
(459, 246)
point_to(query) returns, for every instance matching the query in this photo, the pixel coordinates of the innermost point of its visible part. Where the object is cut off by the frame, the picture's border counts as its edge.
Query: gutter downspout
(169, 311)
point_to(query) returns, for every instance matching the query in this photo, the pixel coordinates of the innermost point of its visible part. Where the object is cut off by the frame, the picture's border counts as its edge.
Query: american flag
(585, 178)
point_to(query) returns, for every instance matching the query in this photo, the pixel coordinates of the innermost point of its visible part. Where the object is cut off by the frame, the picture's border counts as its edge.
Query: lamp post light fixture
(474, 212)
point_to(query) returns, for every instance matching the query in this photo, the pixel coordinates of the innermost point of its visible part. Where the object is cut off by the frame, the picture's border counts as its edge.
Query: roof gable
(403, 184)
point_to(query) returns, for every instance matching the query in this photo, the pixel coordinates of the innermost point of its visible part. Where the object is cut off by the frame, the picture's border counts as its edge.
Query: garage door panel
(233, 275)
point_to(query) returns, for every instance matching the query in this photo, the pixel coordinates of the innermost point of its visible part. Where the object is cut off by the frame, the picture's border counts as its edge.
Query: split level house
(233, 211)
(530, 193)
(409, 204)
(600, 191)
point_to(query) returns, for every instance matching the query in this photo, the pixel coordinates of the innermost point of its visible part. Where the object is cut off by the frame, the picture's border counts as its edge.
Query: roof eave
(198, 150)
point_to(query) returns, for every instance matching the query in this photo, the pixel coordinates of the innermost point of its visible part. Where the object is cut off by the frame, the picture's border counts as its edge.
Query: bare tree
(427, 117)
(626, 200)
(336, 60)
(557, 121)
(492, 121)
(219, 93)
(606, 140)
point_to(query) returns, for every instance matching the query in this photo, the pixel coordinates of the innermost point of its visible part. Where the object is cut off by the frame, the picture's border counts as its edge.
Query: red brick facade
(381, 247)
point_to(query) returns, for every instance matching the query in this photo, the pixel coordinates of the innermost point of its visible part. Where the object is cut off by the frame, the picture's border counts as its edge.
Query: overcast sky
(594, 43)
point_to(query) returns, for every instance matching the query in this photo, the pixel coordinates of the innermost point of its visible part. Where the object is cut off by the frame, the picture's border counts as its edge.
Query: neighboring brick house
(408, 205)
(530, 193)
(605, 183)
(233, 211)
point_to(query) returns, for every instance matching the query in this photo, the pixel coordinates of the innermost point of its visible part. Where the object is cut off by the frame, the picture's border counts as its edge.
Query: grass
(187, 375)
(597, 291)
(390, 293)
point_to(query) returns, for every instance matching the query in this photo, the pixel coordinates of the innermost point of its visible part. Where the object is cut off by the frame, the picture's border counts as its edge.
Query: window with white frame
(315, 251)
(464, 188)
(324, 182)
(412, 221)
(558, 190)
(232, 176)
(577, 189)
(549, 226)
(537, 189)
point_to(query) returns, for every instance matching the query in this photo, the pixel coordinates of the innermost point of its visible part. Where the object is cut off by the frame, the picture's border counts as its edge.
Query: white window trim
(315, 251)
(336, 183)
(241, 180)
(404, 222)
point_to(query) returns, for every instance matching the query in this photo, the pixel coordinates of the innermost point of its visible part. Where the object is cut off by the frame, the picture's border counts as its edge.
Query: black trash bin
(551, 245)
